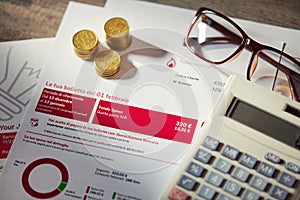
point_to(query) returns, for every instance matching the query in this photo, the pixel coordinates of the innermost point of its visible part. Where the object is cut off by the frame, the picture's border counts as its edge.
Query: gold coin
(115, 27)
(86, 52)
(106, 75)
(88, 56)
(107, 62)
(85, 41)
(119, 43)
(117, 33)
(106, 71)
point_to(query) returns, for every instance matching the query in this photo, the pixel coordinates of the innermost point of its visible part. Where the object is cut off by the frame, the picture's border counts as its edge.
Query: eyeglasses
(216, 39)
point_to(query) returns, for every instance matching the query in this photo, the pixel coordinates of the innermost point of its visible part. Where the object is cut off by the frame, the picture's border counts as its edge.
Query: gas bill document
(88, 137)
(20, 70)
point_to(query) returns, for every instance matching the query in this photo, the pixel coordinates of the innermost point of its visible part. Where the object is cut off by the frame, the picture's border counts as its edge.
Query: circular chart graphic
(63, 183)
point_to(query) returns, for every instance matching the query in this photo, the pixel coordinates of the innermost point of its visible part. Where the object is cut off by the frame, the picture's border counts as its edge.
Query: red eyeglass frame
(251, 45)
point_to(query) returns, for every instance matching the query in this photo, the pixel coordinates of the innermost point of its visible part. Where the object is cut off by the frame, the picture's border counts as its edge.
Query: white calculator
(249, 148)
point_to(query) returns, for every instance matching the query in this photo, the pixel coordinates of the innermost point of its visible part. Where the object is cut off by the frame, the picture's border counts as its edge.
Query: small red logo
(171, 62)
(34, 122)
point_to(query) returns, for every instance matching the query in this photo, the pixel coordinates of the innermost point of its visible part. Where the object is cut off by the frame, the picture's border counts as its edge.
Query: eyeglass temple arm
(295, 82)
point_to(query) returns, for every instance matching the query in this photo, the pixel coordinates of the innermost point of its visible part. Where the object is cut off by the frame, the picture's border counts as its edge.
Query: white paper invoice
(92, 138)
(21, 64)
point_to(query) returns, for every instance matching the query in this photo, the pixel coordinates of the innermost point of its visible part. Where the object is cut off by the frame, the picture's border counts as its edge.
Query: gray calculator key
(258, 183)
(203, 156)
(250, 195)
(232, 188)
(214, 179)
(223, 197)
(195, 169)
(272, 158)
(230, 152)
(211, 143)
(248, 161)
(206, 192)
(278, 192)
(286, 179)
(222, 165)
(266, 169)
(292, 167)
(240, 174)
(186, 182)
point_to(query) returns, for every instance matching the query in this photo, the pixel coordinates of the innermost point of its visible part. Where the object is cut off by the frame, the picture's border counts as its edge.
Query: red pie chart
(45, 195)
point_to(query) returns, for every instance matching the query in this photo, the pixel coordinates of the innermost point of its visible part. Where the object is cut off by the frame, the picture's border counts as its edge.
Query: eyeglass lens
(269, 76)
(214, 38)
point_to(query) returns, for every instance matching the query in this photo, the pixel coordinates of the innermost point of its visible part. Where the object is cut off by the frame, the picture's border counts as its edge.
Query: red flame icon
(34, 122)
(171, 62)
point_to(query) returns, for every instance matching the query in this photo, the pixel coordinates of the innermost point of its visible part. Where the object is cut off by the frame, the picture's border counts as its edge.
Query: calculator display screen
(264, 122)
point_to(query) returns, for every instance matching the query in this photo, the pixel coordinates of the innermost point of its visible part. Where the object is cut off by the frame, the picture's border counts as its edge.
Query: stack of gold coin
(107, 63)
(117, 33)
(85, 44)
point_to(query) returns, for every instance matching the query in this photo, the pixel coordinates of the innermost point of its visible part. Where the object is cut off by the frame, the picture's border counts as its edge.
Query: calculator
(248, 148)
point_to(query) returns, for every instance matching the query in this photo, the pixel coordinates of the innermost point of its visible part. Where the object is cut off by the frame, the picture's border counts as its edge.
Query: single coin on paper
(107, 63)
(85, 43)
(117, 33)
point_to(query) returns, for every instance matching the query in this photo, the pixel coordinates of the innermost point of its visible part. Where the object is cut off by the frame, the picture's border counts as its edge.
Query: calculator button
(186, 182)
(203, 156)
(211, 143)
(286, 179)
(258, 183)
(250, 195)
(230, 152)
(240, 174)
(222, 165)
(206, 192)
(292, 167)
(195, 169)
(177, 194)
(278, 192)
(272, 158)
(232, 188)
(266, 169)
(214, 179)
(223, 197)
(248, 161)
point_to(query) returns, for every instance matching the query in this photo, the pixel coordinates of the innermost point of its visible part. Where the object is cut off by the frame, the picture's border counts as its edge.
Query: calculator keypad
(278, 192)
(235, 173)
(222, 165)
(206, 192)
(214, 178)
(203, 156)
(286, 179)
(195, 169)
(258, 183)
(247, 160)
(187, 182)
(240, 174)
(266, 169)
(230, 152)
